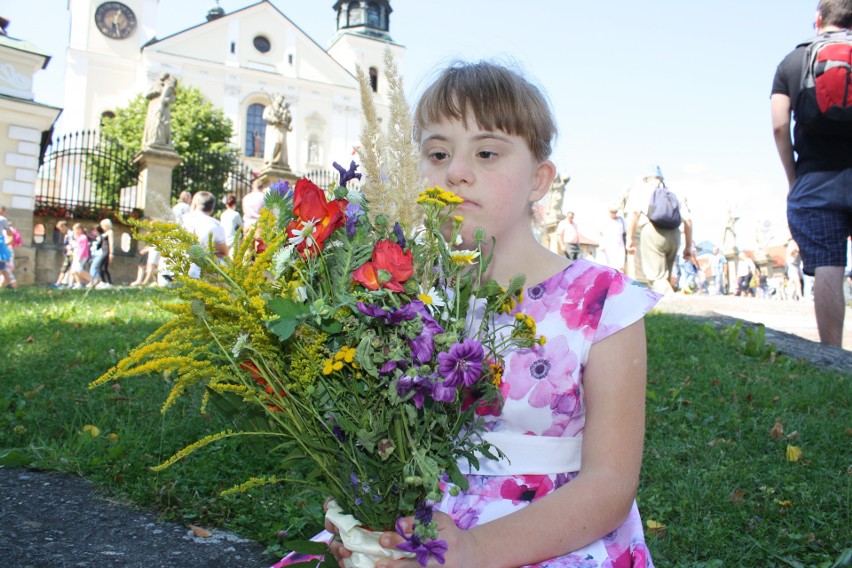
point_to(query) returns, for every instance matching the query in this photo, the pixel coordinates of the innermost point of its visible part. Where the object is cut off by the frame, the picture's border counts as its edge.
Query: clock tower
(104, 53)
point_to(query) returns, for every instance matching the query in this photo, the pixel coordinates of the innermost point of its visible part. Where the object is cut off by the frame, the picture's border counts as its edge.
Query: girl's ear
(544, 175)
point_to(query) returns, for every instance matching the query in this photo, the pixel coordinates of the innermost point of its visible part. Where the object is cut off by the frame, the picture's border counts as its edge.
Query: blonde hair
(106, 224)
(496, 97)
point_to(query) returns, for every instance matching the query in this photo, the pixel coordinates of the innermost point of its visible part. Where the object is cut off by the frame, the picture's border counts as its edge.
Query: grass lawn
(724, 418)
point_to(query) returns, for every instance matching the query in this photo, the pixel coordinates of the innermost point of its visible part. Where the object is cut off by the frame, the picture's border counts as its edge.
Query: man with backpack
(814, 84)
(658, 214)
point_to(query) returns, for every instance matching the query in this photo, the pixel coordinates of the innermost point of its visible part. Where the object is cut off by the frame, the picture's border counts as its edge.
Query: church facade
(239, 61)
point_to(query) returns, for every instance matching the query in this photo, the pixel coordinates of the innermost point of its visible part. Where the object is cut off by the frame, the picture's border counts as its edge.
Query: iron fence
(217, 172)
(86, 175)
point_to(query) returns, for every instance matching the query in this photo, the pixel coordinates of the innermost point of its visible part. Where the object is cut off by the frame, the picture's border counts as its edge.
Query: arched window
(255, 131)
(374, 16)
(105, 115)
(374, 79)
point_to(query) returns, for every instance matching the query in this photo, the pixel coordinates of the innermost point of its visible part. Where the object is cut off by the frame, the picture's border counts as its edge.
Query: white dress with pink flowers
(541, 423)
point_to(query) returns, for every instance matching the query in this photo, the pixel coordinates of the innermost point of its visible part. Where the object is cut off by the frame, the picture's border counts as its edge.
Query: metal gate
(86, 175)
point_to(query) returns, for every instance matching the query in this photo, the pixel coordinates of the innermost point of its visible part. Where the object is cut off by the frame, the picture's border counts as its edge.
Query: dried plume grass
(390, 160)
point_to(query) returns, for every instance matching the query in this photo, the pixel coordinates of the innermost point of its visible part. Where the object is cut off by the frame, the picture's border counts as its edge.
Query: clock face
(115, 20)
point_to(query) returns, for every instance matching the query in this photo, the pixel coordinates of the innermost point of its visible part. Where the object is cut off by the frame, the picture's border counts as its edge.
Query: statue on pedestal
(729, 241)
(278, 118)
(158, 122)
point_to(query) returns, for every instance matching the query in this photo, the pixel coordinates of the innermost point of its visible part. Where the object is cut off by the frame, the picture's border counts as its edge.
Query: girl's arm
(599, 499)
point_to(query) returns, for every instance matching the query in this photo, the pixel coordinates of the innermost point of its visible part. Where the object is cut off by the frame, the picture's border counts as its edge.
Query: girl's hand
(462, 548)
(335, 546)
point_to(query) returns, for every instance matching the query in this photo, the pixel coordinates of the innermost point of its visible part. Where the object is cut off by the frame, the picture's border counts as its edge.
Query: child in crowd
(573, 420)
(81, 256)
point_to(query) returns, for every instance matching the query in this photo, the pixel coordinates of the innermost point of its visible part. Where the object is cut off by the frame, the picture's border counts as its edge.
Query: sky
(633, 85)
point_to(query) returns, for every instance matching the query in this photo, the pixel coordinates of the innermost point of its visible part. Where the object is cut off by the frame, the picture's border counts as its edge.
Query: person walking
(8, 278)
(817, 160)
(613, 240)
(568, 236)
(719, 271)
(658, 245)
(81, 255)
(181, 208)
(231, 221)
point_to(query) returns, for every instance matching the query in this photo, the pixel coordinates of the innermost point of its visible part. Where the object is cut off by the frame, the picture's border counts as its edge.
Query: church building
(238, 61)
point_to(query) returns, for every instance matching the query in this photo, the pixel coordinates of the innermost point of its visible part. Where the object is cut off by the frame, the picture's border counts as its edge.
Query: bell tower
(369, 18)
(363, 35)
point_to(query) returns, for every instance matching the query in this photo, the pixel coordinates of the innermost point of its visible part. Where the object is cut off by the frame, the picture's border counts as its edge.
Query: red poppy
(390, 267)
(316, 219)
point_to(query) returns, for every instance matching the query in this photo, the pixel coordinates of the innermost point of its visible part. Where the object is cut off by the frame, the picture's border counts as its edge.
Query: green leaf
(292, 314)
(15, 458)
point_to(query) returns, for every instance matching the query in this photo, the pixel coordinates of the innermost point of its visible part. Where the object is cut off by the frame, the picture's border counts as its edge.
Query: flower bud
(197, 254)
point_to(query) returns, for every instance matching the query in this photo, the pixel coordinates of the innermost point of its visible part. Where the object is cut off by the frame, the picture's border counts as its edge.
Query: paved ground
(796, 318)
(58, 520)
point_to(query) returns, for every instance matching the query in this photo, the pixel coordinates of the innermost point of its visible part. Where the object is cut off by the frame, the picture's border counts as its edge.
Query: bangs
(495, 98)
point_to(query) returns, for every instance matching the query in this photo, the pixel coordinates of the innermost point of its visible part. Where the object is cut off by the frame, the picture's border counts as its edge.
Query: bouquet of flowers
(364, 343)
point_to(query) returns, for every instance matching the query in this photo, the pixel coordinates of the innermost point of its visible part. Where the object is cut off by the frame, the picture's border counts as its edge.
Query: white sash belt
(528, 455)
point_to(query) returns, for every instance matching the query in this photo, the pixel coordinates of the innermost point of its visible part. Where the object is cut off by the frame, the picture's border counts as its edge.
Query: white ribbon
(363, 543)
(528, 455)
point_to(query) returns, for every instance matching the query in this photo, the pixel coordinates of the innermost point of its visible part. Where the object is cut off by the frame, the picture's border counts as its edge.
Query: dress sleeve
(626, 303)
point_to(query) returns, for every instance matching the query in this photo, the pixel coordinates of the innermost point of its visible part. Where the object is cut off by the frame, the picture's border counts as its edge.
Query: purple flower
(353, 210)
(393, 317)
(423, 550)
(443, 393)
(282, 188)
(421, 386)
(346, 175)
(463, 364)
(423, 513)
(400, 238)
(423, 346)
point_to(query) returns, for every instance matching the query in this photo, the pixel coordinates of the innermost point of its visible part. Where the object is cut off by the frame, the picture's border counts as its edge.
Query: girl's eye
(438, 156)
(486, 154)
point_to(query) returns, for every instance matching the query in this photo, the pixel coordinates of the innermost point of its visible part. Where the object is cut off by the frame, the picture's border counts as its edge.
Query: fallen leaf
(784, 503)
(655, 528)
(30, 339)
(737, 496)
(794, 453)
(794, 435)
(777, 431)
(200, 533)
(775, 399)
(849, 431)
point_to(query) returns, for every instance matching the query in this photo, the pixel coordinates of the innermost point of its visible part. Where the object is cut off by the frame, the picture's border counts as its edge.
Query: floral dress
(543, 403)
(543, 397)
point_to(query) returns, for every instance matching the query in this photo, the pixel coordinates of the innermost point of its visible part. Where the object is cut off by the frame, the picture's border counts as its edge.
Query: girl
(81, 255)
(231, 221)
(572, 423)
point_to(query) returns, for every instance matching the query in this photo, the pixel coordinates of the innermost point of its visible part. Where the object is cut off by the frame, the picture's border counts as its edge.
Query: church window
(262, 44)
(106, 115)
(255, 131)
(374, 79)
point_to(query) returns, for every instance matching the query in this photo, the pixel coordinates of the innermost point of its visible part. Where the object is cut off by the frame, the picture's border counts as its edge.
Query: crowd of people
(88, 251)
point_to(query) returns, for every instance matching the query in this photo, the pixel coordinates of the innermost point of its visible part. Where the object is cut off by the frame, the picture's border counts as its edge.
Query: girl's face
(495, 173)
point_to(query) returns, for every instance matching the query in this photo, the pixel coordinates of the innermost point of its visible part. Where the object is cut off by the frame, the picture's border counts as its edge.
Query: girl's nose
(459, 172)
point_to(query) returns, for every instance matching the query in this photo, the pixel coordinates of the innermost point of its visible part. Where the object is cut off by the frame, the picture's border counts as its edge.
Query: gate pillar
(156, 164)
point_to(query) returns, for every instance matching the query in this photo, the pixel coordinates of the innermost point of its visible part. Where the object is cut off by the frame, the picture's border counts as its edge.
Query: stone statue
(158, 122)
(729, 241)
(278, 118)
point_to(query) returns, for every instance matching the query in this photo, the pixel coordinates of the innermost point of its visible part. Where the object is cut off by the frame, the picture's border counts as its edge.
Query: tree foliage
(197, 127)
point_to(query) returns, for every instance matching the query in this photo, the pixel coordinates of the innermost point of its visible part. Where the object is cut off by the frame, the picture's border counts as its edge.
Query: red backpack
(824, 104)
